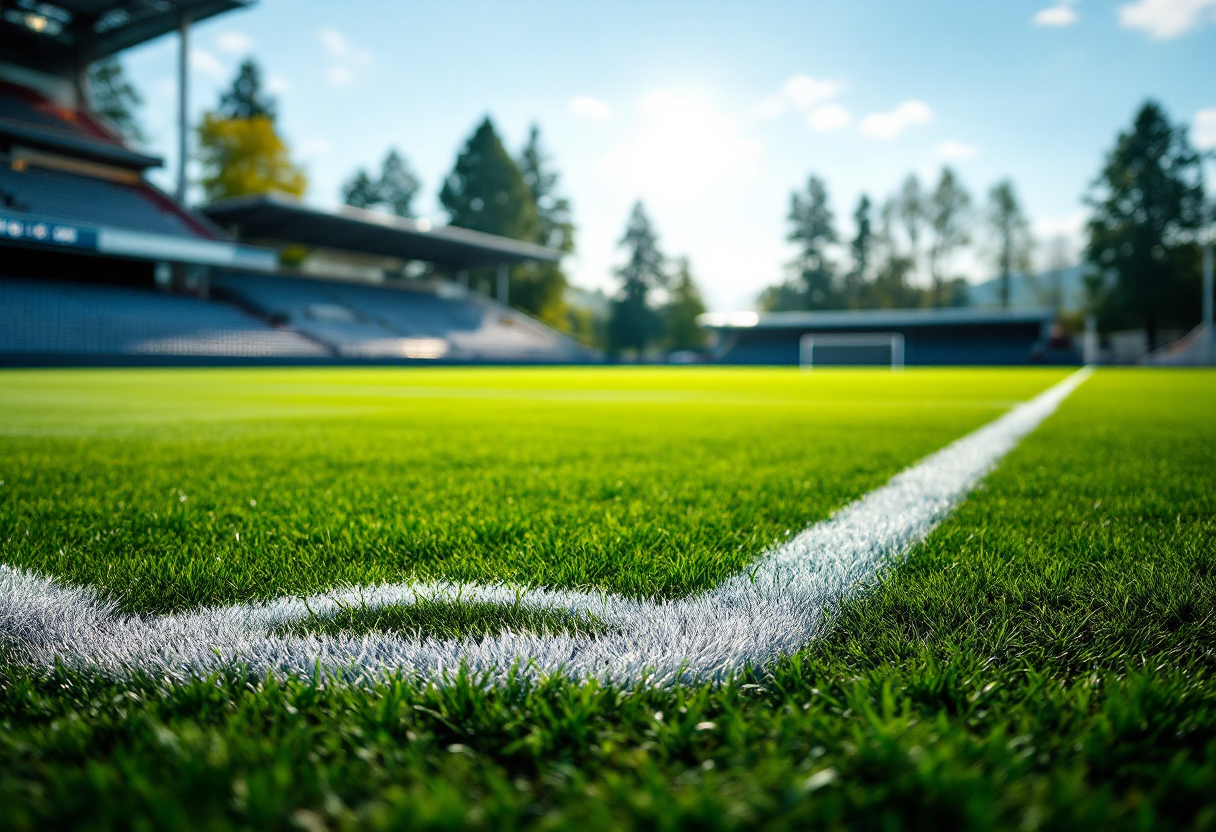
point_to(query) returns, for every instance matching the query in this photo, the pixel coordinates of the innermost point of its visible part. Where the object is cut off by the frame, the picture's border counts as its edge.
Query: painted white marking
(770, 610)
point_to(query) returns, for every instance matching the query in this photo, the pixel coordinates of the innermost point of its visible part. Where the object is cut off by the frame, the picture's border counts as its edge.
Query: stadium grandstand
(960, 336)
(97, 265)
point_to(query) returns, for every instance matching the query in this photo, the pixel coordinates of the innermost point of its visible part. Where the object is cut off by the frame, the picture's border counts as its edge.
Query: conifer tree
(861, 249)
(486, 190)
(1010, 232)
(398, 185)
(114, 97)
(393, 192)
(361, 191)
(540, 288)
(684, 305)
(813, 230)
(949, 213)
(633, 324)
(1147, 202)
(245, 98)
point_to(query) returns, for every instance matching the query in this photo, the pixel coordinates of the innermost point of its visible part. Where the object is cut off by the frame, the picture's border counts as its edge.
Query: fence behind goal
(863, 348)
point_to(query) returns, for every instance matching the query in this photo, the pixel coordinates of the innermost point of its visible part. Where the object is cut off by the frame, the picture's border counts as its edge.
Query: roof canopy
(876, 318)
(66, 35)
(275, 218)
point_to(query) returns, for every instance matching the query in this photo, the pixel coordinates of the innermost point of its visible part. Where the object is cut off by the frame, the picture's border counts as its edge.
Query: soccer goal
(850, 350)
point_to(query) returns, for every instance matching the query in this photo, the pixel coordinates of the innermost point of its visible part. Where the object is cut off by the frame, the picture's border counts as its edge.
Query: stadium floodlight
(860, 347)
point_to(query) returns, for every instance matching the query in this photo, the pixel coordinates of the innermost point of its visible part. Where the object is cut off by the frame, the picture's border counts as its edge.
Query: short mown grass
(174, 489)
(427, 618)
(1044, 661)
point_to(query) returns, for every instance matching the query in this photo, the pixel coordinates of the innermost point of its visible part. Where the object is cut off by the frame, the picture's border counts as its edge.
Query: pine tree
(393, 192)
(397, 186)
(684, 305)
(861, 250)
(1010, 232)
(115, 98)
(486, 191)
(813, 230)
(1148, 202)
(540, 288)
(633, 324)
(556, 224)
(912, 210)
(361, 191)
(245, 99)
(949, 213)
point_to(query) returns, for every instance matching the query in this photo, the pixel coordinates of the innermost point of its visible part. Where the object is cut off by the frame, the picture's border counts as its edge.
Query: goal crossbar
(892, 340)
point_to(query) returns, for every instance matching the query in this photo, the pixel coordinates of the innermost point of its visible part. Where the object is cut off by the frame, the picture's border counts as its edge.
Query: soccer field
(1042, 659)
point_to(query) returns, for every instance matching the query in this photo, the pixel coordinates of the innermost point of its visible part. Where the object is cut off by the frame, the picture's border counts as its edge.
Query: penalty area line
(776, 607)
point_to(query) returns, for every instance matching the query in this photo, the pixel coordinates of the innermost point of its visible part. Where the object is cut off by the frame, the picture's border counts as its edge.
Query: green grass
(444, 619)
(176, 489)
(1044, 660)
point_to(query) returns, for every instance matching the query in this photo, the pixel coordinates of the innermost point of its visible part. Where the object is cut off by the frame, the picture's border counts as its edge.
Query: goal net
(857, 349)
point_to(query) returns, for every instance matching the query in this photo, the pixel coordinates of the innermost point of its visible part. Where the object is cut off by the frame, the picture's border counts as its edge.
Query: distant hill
(1033, 291)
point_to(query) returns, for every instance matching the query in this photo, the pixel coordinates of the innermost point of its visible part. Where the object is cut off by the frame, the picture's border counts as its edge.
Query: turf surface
(1045, 660)
(173, 489)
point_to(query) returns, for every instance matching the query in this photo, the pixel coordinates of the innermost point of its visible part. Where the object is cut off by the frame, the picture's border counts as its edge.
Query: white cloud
(235, 42)
(890, 125)
(1203, 134)
(956, 151)
(682, 147)
(1163, 19)
(829, 117)
(335, 43)
(313, 147)
(1061, 15)
(277, 85)
(346, 56)
(592, 108)
(340, 75)
(203, 61)
(799, 92)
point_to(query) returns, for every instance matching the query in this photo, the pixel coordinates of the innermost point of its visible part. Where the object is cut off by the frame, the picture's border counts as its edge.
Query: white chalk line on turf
(773, 609)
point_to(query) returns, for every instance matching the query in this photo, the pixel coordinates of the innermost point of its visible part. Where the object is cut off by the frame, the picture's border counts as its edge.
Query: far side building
(955, 336)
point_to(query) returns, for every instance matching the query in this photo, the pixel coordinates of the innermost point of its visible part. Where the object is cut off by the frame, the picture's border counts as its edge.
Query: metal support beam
(504, 283)
(183, 101)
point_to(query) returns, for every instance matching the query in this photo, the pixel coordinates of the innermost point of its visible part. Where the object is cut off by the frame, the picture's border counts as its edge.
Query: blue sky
(712, 112)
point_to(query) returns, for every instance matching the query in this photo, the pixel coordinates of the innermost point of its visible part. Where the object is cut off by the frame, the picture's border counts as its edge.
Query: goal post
(851, 349)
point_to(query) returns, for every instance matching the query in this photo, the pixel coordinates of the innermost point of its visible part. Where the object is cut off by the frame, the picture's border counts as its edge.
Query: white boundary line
(768, 611)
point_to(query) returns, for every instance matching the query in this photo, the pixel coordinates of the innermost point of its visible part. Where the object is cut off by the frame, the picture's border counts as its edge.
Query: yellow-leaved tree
(239, 146)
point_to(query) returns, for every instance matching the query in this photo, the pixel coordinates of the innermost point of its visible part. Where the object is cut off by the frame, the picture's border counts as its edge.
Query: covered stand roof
(281, 219)
(875, 318)
(66, 35)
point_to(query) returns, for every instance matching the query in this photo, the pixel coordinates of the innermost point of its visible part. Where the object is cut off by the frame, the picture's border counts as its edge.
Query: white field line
(771, 610)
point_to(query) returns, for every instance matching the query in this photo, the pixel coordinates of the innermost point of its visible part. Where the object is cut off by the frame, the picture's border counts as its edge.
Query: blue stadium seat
(390, 321)
(83, 199)
(52, 317)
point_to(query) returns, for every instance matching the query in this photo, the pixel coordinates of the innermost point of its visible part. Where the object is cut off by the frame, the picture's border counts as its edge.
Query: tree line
(489, 189)
(902, 252)
(1141, 255)
(1141, 252)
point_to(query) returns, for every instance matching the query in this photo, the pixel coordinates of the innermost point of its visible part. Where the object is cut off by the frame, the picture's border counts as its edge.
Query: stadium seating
(22, 106)
(409, 321)
(83, 199)
(41, 317)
